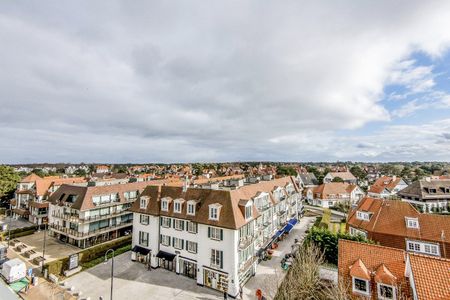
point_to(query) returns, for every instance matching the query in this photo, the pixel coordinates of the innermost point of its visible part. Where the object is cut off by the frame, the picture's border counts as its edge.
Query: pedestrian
(225, 295)
(241, 293)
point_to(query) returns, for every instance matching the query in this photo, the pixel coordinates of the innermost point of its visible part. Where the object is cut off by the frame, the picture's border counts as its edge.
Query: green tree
(358, 172)
(80, 172)
(337, 179)
(8, 182)
(286, 171)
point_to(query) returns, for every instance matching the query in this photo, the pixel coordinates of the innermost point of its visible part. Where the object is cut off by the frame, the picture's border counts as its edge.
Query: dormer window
(360, 286)
(361, 215)
(143, 203)
(432, 191)
(214, 211)
(248, 212)
(412, 223)
(447, 190)
(164, 205)
(191, 208)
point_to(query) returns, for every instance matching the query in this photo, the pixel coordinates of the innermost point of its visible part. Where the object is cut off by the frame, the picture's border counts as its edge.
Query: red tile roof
(384, 182)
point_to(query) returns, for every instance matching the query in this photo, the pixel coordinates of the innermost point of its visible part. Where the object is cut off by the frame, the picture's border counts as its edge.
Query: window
(144, 219)
(213, 213)
(95, 200)
(426, 248)
(191, 246)
(130, 195)
(143, 238)
(216, 258)
(165, 240)
(432, 191)
(177, 207)
(215, 233)
(355, 232)
(191, 209)
(362, 216)
(385, 291)
(143, 203)
(164, 205)
(178, 243)
(165, 222)
(248, 212)
(412, 223)
(178, 224)
(192, 227)
(360, 286)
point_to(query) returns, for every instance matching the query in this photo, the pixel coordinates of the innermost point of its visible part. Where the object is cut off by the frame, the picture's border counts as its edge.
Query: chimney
(394, 178)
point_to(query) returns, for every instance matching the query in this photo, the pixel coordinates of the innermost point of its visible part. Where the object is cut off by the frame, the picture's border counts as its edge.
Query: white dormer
(143, 203)
(165, 204)
(246, 208)
(191, 204)
(412, 222)
(178, 205)
(362, 215)
(214, 211)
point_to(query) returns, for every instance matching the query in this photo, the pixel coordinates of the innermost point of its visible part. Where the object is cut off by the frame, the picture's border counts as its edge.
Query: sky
(204, 81)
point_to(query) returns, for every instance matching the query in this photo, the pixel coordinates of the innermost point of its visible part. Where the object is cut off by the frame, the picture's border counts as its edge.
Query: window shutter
(182, 225)
(160, 221)
(182, 244)
(209, 231)
(170, 222)
(221, 234)
(221, 259)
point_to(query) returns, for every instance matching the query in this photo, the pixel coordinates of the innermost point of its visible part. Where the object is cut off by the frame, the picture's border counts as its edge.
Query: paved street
(269, 273)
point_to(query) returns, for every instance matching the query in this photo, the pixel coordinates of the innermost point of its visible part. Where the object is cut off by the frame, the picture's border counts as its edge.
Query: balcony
(245, 242)
(281, 212)
(78, 235)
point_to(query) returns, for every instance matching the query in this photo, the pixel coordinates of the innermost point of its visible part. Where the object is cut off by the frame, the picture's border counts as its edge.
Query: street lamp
(9, 226)
(112, 269)
(43, 248)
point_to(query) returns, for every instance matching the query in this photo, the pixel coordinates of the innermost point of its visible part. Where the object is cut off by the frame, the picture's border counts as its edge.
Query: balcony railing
(245, 242)
(77, 234)
(88, 219)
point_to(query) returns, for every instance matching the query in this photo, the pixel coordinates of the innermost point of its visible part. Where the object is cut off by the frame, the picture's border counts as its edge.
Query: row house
(30, 201)
(87, 215)
(398, 224)
(333, 193)
(385, 187)
(429, 195)
(377, 272)
(214, 236)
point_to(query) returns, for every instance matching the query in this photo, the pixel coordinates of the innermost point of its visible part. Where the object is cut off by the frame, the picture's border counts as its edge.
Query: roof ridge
(377, 245)
(379, 212)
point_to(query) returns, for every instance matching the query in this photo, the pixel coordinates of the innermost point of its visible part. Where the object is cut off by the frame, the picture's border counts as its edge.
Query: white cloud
(190, 80)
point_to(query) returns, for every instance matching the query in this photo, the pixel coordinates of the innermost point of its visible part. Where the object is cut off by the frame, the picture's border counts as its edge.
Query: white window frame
(216, 233)
(412, 223)
(361, 215)
(215, 258)
(355, 232)
(143, 203)
(141, 241)
(367, 292)
(146, 219)
(190, 226)
(191, 209)
(177, 243)
(191, 247)
(394, 295)
(165, 240)
(177, 224)
(164, 205)
(214, 213)
(421, 247)
(177, 207)
(165, 222)
(248, 212)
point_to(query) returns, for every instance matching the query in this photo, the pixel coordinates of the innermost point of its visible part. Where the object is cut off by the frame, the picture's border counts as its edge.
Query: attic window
(447, 190)
(143, 203)
(360, 215)
(214, 211)
(71, 198)
(432, 191)
(248, 212)
(412, 223)
(164, 205)
(61, 197)
(177, 207)
(191, 208)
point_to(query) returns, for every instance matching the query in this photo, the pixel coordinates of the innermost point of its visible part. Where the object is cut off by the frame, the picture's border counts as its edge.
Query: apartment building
(87, 215)
(385, 187)
(429, 195)
(346, 176)
(378, 272)
(398, 224)
(331, 194)
(214, 236)
(30, 201)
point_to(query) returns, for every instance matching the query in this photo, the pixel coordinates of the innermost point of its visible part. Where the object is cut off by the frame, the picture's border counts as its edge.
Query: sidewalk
(269, 273)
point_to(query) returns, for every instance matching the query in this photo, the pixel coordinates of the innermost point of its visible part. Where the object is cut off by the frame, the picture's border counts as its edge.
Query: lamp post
(9, 225)
(43, 248)
(112, 269)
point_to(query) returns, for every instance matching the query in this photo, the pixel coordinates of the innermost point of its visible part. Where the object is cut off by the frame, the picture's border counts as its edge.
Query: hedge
(18, 232)
(86, 256)
(327, 242)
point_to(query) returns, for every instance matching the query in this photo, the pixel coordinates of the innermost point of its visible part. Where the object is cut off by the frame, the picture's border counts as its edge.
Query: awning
(140, 250)
(278, 234)
(293, 221)
(288, 227)
(165, 255)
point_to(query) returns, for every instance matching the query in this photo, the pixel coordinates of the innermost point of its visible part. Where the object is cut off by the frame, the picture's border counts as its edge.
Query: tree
(337, 179)
(39, 172)
(358, 172)
(80, 172)
(286, 171)
(8, 182)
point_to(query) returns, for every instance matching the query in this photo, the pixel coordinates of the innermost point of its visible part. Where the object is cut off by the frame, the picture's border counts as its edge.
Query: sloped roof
(308, 178)
(388, 217)
(384, 275)
(332, 188)
(230, 216)
(384, 182)
(30, 178)
(431, 276)
(344, 175)
(420, 189)
(359, 269)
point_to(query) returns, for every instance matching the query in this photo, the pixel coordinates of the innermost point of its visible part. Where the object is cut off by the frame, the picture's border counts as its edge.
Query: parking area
(14, 223)
(133, 280)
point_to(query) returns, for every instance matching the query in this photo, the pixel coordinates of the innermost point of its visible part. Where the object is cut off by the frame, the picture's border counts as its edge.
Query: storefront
(166, 260)
(215, 279)
(188, 268)
(140, 254)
